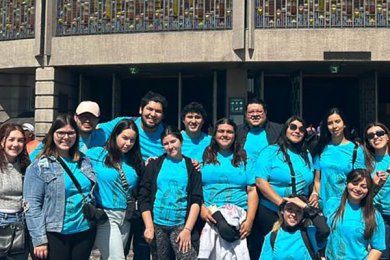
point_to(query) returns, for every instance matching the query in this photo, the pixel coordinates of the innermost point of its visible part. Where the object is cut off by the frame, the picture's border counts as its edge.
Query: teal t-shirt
(335, 162)
(194, 147)
(288, 245)
(170, 205)
(74, 220)
(256, 141)
(347, 241)
(109, 192)
(272, 167)
(382, 199)
(150, 142)
(225, 184)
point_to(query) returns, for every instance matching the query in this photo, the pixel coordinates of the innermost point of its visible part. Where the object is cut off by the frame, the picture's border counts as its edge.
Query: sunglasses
(293, 209)
(294, 127)
(379, 133)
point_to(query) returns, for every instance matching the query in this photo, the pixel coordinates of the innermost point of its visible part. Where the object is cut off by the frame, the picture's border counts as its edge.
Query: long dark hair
(370, 151)
(50, 147)
(132, 157)
(23, 158)
(283, 142)
(325, 136)
(210, 153)
(366, 203)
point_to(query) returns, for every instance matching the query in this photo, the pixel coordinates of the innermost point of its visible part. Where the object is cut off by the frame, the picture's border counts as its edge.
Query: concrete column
(368, 99)
(46, 100)
(238, 25)
(236, 86)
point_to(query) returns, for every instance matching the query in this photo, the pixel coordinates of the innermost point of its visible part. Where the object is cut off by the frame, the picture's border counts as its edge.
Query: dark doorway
(322, 93)
(277, 95)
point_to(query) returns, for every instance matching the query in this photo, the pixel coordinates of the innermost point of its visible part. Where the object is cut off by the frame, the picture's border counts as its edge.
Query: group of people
(260, 190)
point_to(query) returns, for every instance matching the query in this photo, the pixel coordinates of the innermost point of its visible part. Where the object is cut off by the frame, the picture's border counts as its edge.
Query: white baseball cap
(28, 127)
(88, 107)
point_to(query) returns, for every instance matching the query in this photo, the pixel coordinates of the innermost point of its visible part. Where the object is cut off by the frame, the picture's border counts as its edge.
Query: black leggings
(265, 219)
(68, 247)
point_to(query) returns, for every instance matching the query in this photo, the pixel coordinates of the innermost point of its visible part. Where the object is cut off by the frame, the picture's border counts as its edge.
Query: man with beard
(194, 140)
(255, 134)
(150, 128)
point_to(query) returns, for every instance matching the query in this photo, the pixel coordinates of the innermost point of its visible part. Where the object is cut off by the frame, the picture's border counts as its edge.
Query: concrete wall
(144, 48)
(310, 44)
(18, 54)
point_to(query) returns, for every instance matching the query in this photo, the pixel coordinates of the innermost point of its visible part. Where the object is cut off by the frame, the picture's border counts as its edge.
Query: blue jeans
(9, 218)
(111, 236)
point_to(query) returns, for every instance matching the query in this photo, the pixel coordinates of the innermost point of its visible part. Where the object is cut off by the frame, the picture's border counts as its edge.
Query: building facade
(300, 56)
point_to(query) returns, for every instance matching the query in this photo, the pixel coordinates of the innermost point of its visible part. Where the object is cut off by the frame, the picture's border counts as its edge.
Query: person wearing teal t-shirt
(299, 233)
(225, 178)
(255, 134)
(55, 220)
(169, 198)
(118, 166)
(357, 229)
(194, 140)
(376, 137)
(335, 155)
(281, 170)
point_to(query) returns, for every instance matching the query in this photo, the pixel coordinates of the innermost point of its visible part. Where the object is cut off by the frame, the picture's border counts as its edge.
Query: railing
(127, 16)
(17, 19)
(321, 13)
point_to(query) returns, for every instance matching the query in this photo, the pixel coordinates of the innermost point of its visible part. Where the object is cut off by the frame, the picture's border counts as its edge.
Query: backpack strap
(308, 244)
(273, 238)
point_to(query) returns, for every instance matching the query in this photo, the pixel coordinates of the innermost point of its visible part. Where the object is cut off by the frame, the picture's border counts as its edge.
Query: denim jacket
(44, 196)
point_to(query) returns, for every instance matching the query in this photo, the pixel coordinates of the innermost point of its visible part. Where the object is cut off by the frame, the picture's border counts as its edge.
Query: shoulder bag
(93, 214)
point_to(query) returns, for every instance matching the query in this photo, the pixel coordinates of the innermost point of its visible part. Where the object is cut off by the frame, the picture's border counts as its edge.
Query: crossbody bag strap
(74, 180)
(292, 172)
(125, 185)
(354, 155)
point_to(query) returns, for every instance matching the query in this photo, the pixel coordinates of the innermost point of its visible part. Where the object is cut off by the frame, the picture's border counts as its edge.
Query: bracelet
(149, 227)
(188, 229)
(314, 193)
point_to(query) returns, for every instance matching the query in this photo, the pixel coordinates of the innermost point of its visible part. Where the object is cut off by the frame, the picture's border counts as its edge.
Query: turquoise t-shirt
(170, 205)
(194, 147)
(335, 162)
(150, 142)
(223, 183)
(347, 240)
(272, 167)
(74, 220)
(109, 192)
(288, 245)
(256, 141)
(382, 199)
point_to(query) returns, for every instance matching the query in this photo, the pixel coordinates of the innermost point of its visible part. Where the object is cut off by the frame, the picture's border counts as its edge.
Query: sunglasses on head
(379, 133)
(294, 127)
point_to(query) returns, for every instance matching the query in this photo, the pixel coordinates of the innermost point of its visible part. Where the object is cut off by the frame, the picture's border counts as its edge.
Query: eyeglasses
(294, 127)
(379, 133)
(61, 134)
(251, 112)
